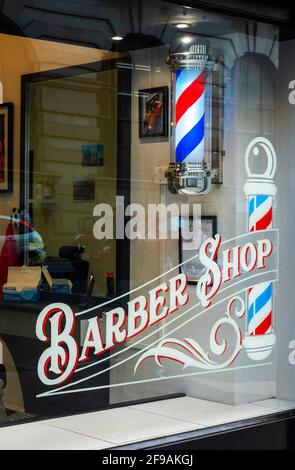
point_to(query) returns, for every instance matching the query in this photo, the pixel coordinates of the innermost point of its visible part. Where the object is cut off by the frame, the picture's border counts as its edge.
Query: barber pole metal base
(259, 347)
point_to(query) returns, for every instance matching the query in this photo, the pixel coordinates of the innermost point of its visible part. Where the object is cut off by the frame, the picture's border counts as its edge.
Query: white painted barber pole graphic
(260, 191)
(240, 268)
(260, 338)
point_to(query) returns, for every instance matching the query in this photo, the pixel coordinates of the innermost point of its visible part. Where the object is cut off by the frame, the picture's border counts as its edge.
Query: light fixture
(182, 25)
(117, 38)
(186, 40)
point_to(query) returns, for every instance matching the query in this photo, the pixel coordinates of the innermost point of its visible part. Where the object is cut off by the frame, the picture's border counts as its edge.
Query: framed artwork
(153, 112)
(194, 269)
(6, 147)
(92, 155)
(84, 191)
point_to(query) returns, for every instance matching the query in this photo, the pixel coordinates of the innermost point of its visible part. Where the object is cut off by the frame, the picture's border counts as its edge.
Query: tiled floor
(39, 436)
(119, 426)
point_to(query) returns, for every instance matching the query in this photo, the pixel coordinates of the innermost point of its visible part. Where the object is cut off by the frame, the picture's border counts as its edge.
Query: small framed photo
(153, 112)
(84, 191)
(193, 268)
(6, 148)
(92, 155)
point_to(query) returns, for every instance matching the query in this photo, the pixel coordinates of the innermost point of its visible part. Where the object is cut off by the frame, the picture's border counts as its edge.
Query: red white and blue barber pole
(190, 171)
(190, 116)
(260, 190)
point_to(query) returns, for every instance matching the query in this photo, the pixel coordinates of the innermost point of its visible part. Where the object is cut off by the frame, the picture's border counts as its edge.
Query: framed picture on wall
(6, 147)
(92, 155)
(84, 191)
(192, 267)
(153, 112)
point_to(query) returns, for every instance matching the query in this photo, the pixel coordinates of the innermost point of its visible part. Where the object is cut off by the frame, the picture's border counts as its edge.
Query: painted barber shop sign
(150, 331)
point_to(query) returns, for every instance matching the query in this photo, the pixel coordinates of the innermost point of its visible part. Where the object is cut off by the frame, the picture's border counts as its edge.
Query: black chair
(70, 265)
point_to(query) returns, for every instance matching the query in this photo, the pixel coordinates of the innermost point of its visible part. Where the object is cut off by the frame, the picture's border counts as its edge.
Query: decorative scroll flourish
(190, 353)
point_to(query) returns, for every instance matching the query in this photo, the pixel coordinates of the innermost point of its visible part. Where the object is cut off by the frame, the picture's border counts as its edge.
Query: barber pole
(190, 116)
(260, 296)
(189, 171)
(260, 191)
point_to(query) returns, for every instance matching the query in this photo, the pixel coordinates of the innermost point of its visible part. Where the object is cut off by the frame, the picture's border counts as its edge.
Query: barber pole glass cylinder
(260, 191)
(189, 171)
(190, 116)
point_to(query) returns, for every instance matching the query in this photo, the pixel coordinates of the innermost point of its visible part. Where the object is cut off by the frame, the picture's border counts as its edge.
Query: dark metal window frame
(275, 431)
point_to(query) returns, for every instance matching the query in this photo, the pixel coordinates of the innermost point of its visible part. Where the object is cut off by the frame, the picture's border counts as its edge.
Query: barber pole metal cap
(190, 174)
(197, 57)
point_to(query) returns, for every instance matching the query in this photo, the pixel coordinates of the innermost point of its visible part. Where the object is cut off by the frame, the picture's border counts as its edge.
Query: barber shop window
(141, 195)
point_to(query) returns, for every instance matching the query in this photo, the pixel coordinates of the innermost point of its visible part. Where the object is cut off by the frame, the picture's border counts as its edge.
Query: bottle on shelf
(110, 278)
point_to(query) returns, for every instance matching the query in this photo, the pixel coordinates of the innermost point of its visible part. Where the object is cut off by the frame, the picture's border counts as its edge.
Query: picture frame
(194, 269)
(92, 155)
(84, 191)
(6, 148)
(153, 112)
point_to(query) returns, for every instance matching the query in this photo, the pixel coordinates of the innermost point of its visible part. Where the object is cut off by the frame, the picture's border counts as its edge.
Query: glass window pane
(145, 172)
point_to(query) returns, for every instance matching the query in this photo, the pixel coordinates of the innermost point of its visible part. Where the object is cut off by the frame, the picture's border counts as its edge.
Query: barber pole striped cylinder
(260, 190)
(190, 116)
(260, 296)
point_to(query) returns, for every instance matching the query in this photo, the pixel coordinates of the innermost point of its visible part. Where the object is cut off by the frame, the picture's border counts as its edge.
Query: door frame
(124, 95)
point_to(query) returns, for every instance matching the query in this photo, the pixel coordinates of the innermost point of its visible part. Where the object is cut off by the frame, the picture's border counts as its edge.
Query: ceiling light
(117, 38)
(182, 25)
(186, 40)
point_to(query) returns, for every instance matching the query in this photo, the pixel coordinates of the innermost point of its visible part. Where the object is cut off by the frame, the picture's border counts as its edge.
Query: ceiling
(93, 23)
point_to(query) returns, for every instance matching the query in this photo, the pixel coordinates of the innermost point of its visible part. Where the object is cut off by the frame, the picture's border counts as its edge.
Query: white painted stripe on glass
(260, 316)
(257, 291)
(260, 211)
